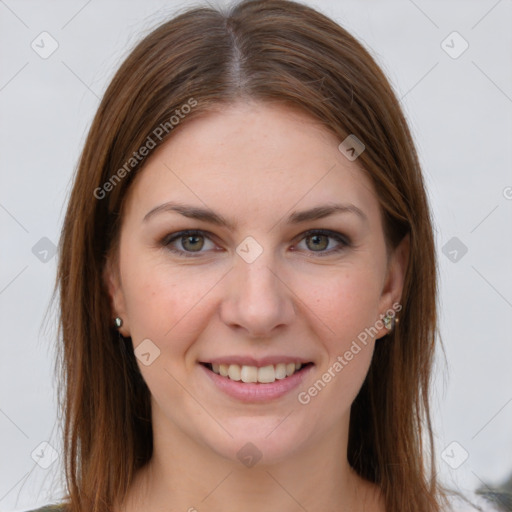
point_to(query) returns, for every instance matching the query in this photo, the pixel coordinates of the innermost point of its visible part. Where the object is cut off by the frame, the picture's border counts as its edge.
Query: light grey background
(459, 110)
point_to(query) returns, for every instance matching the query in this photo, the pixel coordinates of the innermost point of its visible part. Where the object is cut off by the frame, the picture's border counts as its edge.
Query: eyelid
(345, 239)
(341, 238)
(172, 237)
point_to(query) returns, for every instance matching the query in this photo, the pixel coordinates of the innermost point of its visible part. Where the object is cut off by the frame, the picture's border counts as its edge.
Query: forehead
(252, 158)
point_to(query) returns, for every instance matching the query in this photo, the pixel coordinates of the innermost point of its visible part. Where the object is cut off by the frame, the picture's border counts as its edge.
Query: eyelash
(342, 239)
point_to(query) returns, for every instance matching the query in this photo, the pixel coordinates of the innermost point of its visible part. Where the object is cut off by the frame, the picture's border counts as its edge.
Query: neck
(184, 475)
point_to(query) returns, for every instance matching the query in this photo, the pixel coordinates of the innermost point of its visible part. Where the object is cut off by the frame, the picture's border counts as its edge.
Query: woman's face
(250, 287)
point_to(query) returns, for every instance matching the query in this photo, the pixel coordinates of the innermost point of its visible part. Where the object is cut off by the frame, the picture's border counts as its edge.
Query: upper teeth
(265, 374)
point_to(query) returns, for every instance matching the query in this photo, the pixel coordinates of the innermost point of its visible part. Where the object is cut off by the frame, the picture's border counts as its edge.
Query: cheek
(165, 303)
(345, 301)
(346, 306)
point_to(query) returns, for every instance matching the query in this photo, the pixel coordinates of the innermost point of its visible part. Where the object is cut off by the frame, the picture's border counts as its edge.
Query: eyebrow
(207, 215)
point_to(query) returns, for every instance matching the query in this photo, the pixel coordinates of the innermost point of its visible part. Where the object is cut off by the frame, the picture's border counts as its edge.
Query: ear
(394, 281)
(112, 280)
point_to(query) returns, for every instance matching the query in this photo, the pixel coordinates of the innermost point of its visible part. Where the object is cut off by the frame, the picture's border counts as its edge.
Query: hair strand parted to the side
(271, 51)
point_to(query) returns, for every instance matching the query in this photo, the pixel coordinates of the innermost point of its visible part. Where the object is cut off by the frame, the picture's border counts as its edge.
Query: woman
(247, 278)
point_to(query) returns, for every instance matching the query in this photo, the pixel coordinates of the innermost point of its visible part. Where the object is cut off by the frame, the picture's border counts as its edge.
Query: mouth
(257, 375)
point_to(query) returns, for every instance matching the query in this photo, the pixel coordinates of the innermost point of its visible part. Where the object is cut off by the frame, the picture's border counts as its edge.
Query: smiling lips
(256, 374)
(252, 380)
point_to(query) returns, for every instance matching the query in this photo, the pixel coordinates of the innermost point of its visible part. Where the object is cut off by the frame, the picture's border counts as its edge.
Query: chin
(259, 441)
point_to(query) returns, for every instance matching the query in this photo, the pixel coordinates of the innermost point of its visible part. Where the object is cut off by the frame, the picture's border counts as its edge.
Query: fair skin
(254, 164)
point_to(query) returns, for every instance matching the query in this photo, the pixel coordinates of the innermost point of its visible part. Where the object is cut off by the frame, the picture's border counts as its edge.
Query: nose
(257, 298)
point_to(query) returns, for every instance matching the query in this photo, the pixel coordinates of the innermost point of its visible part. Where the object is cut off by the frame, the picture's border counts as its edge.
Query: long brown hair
(270, 50)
